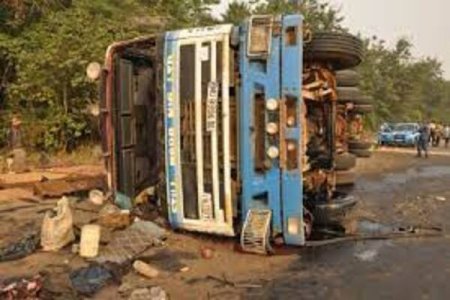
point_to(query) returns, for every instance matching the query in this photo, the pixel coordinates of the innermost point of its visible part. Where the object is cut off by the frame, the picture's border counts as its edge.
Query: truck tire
(347, 78)
(353, 95)
(333, 212)
(359, 145)
(363, 153)
(345, 161)
(362, 109)
(340, 50)
(345, 178)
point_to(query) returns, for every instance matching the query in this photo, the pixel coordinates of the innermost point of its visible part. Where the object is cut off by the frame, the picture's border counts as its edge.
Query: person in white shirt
(447, 135)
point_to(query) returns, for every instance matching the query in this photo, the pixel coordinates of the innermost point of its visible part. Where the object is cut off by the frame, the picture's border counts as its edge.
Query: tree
(237, 12)
(45, 46)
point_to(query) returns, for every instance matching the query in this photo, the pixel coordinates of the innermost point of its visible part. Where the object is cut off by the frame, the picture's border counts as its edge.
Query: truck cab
(215, 119)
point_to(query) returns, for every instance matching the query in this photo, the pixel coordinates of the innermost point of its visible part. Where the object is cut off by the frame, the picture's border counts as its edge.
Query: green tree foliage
(237, 12)
(404, 88)
(45, 46)
(318, 15)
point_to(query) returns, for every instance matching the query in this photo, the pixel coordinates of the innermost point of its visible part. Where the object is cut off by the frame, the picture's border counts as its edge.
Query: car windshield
(405, 127)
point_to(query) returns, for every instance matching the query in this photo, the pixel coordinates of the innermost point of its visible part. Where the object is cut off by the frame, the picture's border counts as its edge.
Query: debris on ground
(97, 197)
(90, 240)
(20, 249)
(206, 252)
(22, 288)
(111, 216)
(440, 198)
(89, 280)
(153, 293)
(57, 229)
(127, 244)
(69, 185)
(145, 269)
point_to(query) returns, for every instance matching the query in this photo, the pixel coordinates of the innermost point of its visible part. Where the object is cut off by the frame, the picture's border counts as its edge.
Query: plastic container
(145, 269)
(90, 240)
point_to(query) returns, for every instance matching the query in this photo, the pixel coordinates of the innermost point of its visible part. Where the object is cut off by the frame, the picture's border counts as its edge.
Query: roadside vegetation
(45, 46)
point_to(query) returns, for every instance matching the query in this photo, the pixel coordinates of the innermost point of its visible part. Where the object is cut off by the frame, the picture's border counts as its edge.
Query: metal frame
(173, 41)
(281, 78)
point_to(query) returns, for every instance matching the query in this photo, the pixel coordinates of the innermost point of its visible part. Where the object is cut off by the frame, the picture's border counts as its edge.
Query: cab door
(129, 117)
(197, 129)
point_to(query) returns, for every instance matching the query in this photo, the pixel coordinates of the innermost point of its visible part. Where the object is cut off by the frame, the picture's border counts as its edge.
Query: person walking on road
(447, 135)
(432, 132)
(422, 141)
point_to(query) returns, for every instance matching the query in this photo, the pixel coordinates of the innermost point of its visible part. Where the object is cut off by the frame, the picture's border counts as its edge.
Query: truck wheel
(359, 145)
(333, 212)
(347, 78)
(345, 161)
(345, 178)
(362, 109)
(352, 94)
(340, 50)
(363, 153)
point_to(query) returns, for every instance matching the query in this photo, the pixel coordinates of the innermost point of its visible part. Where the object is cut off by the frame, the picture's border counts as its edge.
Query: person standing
(432, 131)
(447, 135)
(422, 141)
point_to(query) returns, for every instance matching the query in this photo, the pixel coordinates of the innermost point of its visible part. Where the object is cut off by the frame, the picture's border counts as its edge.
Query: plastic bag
(57, 229)
(88, 280)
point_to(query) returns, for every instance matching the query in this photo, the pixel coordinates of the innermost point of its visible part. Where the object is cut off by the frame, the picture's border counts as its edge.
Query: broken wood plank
(61, 187)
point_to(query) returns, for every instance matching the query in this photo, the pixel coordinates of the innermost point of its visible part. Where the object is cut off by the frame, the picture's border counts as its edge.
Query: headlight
(272, 128)
(272, 104)
(273, 152)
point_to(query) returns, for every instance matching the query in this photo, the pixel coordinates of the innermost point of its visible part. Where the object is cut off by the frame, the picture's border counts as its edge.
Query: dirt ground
(394, 188)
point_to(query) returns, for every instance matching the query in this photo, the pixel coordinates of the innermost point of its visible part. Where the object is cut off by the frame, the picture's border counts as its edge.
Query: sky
(425, 22)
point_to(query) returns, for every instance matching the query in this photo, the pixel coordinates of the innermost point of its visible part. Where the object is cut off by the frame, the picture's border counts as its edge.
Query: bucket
(90, 240)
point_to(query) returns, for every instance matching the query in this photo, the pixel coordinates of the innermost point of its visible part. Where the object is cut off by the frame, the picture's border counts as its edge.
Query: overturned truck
(235, 127)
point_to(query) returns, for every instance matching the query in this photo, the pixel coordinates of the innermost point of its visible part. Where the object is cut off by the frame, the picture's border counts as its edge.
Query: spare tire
(349, 78)
(362, 109)
(363, 153)
(340, 50)
(353, 95)
(359, 145)
(333, 212)
(345, 161)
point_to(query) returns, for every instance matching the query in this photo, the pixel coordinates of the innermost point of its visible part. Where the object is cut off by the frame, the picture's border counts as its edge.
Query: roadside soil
(395, 189)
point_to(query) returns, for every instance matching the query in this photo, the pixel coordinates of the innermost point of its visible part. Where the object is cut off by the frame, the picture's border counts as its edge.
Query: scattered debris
(127, 244)
(97, 197)
(69, 185)
(154, 293)
(22, 288)
(111, 216)
(145, 269)
(88, 280)
(21, 249)
(57, 229)
(90, 240)
(206, 252)
(440, 198)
